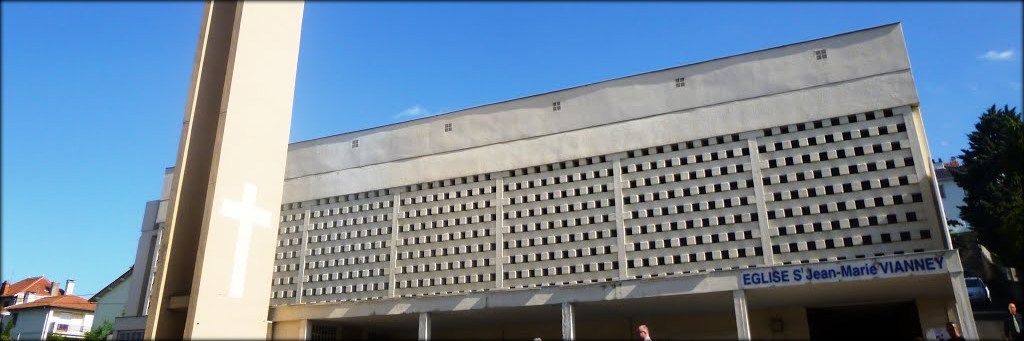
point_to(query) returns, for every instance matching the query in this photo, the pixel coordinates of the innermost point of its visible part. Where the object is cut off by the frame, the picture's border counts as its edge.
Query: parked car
(977, 291)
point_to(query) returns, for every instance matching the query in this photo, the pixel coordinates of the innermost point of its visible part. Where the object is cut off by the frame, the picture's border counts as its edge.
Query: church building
(785, 193)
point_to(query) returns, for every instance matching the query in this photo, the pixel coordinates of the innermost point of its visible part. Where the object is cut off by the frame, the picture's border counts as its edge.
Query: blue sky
(94, 93)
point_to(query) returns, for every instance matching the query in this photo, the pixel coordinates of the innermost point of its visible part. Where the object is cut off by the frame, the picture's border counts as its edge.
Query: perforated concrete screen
(446, 237)
(770, 158)
(845, 187)
(837, 188)
(690, 207)
(336, 248)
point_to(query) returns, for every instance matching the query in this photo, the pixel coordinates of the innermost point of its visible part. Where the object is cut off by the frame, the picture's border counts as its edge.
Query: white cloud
(996, 55)
(414, 111)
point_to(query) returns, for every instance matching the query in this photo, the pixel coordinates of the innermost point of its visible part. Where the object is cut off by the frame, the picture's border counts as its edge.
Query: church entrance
(884, 321)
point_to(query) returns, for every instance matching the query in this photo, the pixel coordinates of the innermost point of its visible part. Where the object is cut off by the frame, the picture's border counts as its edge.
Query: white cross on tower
(247, 215)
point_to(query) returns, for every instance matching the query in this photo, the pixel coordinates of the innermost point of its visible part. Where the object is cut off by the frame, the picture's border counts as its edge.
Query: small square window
(447, 127)
(680, 82)
(355, 143)
(820, 54)
(556, 106)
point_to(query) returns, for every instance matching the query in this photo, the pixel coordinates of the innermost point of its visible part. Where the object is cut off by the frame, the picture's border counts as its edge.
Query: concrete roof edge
(299, 144)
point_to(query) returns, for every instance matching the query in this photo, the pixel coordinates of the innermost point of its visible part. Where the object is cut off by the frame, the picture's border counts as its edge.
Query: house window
(942, 191)
(820, 54)
(680, 82)
(556, 106)
(355, 143)
(447, 127)
(62, 327)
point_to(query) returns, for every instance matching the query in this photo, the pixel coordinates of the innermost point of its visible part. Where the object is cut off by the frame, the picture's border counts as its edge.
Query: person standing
(953, 332)
(1014, 324)
(645, 334)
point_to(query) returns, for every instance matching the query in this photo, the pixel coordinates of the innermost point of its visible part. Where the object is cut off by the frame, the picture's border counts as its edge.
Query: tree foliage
(101, 332)
(6, 333)
(992, 176)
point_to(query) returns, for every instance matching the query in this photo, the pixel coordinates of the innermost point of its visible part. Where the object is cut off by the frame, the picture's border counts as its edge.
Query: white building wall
(952, 198)
(77, 322)
(112, 304)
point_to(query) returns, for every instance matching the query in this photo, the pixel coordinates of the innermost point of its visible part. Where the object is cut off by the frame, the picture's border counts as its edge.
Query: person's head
(643, 331)
(1012, 307)
(952, 329)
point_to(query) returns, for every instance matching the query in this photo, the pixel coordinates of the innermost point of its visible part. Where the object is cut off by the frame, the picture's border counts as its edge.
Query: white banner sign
(844, 271)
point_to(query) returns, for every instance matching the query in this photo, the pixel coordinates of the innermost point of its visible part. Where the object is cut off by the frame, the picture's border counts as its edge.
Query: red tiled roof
(64, 301)
(39, 285)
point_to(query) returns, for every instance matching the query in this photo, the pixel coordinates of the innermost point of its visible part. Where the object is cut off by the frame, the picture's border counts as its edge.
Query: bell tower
(214, 268)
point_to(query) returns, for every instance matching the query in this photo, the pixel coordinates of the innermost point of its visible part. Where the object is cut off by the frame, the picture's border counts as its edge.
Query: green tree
(6, 333)
(101, 332)
(992, 176)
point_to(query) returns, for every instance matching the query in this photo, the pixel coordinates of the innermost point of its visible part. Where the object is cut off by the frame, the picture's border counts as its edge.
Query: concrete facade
(690, 183)
(742, 197)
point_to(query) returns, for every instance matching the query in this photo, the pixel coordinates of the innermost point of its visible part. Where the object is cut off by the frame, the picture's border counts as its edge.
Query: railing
(67, 328)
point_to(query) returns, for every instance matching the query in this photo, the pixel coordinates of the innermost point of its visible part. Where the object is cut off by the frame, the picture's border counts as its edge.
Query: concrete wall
(290, 330)
(792, 320)
(139, 285)
(782, 85)
(934, 312)
(783, 104)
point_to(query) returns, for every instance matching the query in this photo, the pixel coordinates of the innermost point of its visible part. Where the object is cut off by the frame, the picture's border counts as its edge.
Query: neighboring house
(952, 195)
(24, 291)
(110, 301)
(66, 315)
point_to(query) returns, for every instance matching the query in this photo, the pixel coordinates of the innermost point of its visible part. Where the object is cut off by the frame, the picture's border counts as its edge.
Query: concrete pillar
(739, 302)
(301, 279)
(619, 219)
(767, 254)
(568, 322)
(392, 279)
(424, 331)
(499, 232)
(964, 313)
